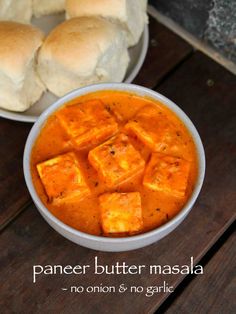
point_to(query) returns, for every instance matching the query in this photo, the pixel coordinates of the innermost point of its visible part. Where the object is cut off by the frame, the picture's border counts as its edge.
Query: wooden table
(207, 93)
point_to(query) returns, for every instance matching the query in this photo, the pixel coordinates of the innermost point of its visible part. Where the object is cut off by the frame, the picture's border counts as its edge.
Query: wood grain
(166, 50)
(215, 291)
(170, 50)
(13, 191)
(206, 92)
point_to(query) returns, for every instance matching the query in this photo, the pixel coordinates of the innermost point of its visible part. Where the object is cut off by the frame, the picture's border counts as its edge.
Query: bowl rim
(140, 91)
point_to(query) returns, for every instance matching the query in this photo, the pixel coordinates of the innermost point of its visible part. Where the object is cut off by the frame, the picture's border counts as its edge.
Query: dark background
(213, 21)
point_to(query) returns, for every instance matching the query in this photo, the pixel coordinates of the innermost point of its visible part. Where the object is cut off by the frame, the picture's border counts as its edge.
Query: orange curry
(114, 164)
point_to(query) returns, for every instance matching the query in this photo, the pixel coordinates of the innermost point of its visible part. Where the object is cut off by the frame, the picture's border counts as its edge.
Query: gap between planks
(204, 261)
(13, 217)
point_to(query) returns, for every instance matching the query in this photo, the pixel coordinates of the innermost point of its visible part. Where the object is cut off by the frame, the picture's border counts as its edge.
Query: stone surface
(190, 14)
(213, 21)
(221, 27)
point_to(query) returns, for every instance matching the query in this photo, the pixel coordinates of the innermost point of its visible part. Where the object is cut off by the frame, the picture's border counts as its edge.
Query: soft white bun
(82, 51)
(44, 7)
(20, 86)
(16, 10)
(130, 14)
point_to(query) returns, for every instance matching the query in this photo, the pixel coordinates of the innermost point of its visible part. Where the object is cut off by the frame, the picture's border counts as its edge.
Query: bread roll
(82, 51)
(44, 7)
(16, 10)
(20, 85)
(130, 14)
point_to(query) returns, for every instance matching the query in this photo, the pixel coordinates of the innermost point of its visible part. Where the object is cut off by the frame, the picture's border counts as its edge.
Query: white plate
(47, 23)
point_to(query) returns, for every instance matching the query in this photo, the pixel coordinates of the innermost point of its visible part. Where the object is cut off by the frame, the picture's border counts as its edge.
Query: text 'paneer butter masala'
(114, 164)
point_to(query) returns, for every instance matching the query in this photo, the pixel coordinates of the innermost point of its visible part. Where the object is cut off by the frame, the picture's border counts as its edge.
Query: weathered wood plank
(29, 240)
(165, 51)
(215, 291)
(13, 191)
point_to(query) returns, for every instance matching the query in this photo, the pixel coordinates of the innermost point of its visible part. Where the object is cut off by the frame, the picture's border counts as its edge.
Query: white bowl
(105, 243)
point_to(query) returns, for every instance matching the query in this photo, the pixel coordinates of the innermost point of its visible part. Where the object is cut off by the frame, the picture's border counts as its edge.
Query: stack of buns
(129, 14)
(91, 46)
(80, 52)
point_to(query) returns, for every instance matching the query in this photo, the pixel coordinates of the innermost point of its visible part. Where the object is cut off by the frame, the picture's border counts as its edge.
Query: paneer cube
(167, 174)
(121, 212)
(155, 130)
(116, 160)
(87, 124)
(62, 179)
